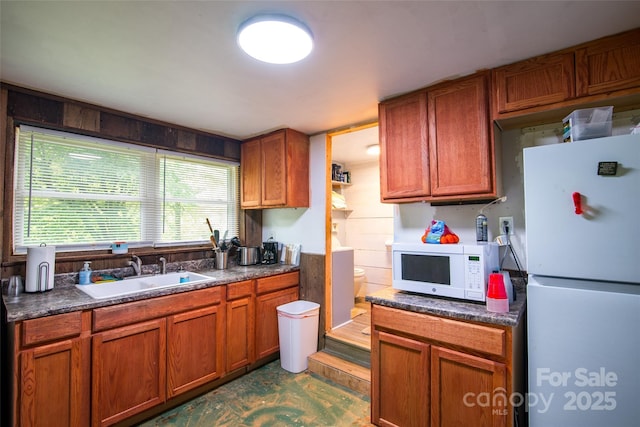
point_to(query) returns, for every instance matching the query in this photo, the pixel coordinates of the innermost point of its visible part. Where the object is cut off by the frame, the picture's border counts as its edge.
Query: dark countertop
(65, 297)
(455, 309)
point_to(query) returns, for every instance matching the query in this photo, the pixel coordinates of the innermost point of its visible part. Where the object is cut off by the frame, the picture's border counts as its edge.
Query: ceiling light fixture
(276, 39)
(373, 150)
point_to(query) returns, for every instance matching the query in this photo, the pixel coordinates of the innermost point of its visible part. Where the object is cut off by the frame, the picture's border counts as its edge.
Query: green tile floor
(271, 396)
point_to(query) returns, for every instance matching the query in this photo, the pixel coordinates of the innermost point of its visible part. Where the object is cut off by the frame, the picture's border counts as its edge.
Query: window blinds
(79, 193)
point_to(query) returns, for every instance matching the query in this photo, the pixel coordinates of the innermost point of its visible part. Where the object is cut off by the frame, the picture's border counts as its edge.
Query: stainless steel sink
(141, 284)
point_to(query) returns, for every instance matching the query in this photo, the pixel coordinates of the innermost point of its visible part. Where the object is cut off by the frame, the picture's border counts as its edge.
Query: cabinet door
(251, 173)
(399, 381)
(274, 170)
(297, 175)
(267, 339)
(539, 81)
(54, 384)
(240, 335)
(129, 371)
(467, 390)
(404, 157)
(460, 149)
(195, 349)
(609, 64)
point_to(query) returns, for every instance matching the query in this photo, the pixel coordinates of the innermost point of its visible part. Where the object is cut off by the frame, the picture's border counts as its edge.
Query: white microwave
(448, 270)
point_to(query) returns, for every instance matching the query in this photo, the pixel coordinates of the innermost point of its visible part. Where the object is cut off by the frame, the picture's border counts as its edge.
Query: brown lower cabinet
(128, 371)
(54, 384)
(240, 325)
(194, 349)
(100, 367)
(51, 371)
(434, 371)
(271, 293)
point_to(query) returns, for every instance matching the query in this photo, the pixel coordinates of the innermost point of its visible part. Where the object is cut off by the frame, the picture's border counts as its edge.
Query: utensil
(224, 245)
(214, 241)
(15, 287)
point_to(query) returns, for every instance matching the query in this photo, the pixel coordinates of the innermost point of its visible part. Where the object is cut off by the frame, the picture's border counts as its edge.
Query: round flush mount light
(373, 150)
(276, 39)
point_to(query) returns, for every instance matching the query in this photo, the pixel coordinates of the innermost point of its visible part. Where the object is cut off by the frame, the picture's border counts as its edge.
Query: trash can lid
(298, 307)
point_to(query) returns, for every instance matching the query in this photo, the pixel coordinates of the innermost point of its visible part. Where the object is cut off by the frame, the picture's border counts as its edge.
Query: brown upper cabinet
(404, 148)
(608, 64)
(436, 145)
(537, 81)
(595, 72)
(461, 154)
(275, 171)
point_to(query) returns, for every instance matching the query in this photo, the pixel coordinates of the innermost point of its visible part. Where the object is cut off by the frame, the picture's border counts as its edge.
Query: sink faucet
(163, 262)
(136, 263)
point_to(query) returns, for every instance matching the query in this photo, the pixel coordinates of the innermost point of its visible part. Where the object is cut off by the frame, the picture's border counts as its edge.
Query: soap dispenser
(85, 274)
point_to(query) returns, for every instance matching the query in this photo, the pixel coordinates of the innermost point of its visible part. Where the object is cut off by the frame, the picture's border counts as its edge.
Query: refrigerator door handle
(577, 202)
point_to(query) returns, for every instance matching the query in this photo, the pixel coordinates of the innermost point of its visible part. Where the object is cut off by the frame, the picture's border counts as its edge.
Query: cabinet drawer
(480, 338)
(274, 283)
(138, 311)
(240, 289)
(36, 331)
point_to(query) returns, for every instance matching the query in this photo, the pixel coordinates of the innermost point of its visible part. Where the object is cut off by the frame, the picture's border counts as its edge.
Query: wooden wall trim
(51, 111)
(4, 161)
(312, 288)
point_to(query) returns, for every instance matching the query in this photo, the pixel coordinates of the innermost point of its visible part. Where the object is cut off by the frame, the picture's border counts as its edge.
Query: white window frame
(150, 196)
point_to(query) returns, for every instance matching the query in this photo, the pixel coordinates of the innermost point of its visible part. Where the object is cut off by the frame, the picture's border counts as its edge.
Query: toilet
(358, 280)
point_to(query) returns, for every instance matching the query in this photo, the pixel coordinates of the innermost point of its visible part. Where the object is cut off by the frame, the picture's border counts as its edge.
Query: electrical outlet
(509, 221)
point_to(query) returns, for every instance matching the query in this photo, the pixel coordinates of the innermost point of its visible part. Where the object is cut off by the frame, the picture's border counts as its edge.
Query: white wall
(410, 220)
(368, 226)
(303, 225)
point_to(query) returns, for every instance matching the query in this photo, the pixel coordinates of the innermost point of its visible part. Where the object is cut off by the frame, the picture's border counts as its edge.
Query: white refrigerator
(582, 217)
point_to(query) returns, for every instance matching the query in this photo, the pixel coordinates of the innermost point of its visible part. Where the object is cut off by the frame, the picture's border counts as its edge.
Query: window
(79, 193)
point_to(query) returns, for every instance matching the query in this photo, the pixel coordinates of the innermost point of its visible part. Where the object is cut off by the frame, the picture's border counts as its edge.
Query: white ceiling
(350, 148)
(177, 61)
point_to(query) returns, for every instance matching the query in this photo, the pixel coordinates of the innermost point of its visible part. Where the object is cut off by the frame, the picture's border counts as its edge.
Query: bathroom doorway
(358, 222)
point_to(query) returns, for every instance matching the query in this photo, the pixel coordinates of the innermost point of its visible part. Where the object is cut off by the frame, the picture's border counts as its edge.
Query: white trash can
(298, 334)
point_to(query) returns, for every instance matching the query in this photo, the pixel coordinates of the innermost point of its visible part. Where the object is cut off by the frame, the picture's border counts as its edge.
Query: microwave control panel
(474, 286)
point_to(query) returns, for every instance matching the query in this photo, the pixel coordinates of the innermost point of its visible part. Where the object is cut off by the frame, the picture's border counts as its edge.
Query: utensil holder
(222, 258)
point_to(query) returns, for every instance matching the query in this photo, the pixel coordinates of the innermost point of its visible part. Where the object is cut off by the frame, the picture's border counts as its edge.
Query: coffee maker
(270, 252)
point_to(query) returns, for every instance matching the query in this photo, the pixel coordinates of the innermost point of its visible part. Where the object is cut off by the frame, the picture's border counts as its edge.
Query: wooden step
(340, 371)
(348, 349)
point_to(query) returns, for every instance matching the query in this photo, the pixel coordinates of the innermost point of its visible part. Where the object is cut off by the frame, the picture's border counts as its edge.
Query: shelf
(340, 184)
(346, 211)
